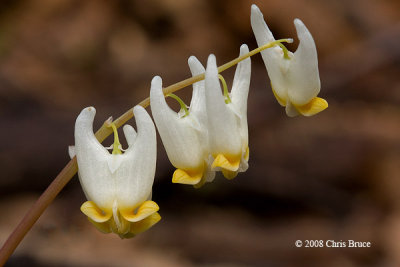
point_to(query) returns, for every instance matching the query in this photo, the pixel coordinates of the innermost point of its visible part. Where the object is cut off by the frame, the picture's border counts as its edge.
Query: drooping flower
(227, 117)
(184, 136)
(210, 136)
(118, 186)
(294, 76)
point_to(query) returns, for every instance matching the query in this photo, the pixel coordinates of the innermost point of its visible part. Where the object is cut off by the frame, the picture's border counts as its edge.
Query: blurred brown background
(334, 176)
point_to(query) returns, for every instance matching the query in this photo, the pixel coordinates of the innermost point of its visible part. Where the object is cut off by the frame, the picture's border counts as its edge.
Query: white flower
(227, 118)
(184, 137)
(118, 186)
(213, 135)
(294, 76)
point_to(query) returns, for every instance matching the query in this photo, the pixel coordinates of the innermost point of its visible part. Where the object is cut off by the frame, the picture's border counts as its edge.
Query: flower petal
(260, 28)
(71, 151)
(315, 106)
(303, 71)
(146, 209)
(179, 136)
(130, 134)
(240, 92)
(114, 162)
(273, 57)
(241, 83)
(231, 164)
(134, 178)
(90, 209)
(229, 174)
(143, 225)
(191, 177)
(223, 125)
(102, 227)
(244, 162)
(291, 110)
(92, 157)
(198, 102)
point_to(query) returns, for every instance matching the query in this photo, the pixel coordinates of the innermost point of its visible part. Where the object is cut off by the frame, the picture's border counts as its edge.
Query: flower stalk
(105, 130)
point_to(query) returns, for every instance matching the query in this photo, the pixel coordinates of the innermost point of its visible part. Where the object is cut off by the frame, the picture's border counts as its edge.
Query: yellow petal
(229, 174)
(143, 225)
(145, 210)
(90, 209)
(281, 101)
(222, 161)
(102, 227)
(187, 176)
(201, 183)
(315, 106)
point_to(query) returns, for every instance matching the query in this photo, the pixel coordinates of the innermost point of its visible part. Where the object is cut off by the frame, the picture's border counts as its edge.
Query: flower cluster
(212, 136)
(209, 136)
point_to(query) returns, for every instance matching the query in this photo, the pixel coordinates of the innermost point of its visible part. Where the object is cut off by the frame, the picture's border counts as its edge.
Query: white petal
(273, 57)
(180, 139)
(260, 28)
(94, 173)
(241, 82)
(303, 72)
(240, 92)
(210, 174)
(244, 165)
(113, 162)
(130, 134)
(134, 178)
(198, 103)
(291, 111)
(223, 128)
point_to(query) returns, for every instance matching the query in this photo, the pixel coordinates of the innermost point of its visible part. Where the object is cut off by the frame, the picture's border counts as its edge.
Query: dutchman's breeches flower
(212, 135)
(227, 117)
(184, 134)
(294, 76)
(118, 186)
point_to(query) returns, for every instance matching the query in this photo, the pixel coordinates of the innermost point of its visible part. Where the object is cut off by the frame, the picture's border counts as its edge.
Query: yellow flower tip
(127, 235)
(226, 164)
(90, 209)
(143, 225)
(102, 227)
(200, 184)
(280, 100)
(315, 106)
(229, 174)
(187, 177)
(145, 210)
(125, 224)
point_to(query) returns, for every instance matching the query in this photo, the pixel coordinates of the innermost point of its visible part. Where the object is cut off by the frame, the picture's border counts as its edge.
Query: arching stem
(72, 167)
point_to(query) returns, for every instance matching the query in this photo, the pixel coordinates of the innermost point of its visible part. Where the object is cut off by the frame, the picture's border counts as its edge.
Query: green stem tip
(117, 144)
(181, 103)
(226, 93)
